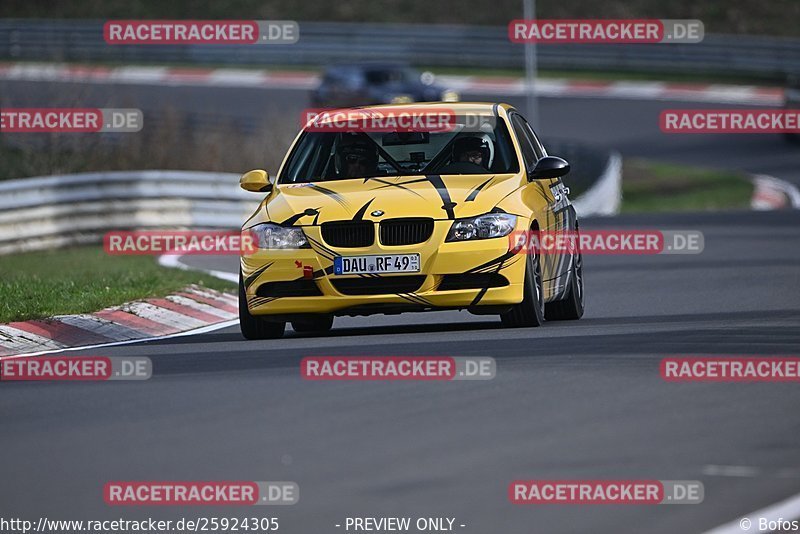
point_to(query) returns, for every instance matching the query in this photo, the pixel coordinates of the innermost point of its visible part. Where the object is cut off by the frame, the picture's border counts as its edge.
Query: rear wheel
(529, 312)
(572, 305)
(317, 324)
(254, 327)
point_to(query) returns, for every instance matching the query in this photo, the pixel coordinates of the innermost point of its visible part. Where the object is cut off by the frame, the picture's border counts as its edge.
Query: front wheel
(529, 312)
(254, 327)
(572, 305)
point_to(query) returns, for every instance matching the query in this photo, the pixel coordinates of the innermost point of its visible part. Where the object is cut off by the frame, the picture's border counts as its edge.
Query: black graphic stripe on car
(484, 289)
(297, 216)
(248, 281)
(474, 193)
(447, 204)
(320, 248)
(359, 216)
(416, 299)
(333, 194)
(491, 263)
(260, 301)
(392, 184)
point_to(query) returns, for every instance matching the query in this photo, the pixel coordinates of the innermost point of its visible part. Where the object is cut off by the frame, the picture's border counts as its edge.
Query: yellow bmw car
(414, 216)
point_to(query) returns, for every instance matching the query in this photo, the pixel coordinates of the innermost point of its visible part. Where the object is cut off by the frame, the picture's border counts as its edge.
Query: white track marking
(163, 315)
(203, 330)
(223, 298)
(16, 339)
(174, 261)
(769, 190)
(731, 471)
(102, 327)
(199, 306)
(785, 510)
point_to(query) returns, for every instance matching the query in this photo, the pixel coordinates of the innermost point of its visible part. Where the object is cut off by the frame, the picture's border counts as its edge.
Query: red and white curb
(771, 193)
(490, 85)
(191, 311)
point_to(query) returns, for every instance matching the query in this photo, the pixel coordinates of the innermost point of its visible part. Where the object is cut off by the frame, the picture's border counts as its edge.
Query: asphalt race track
(571, 400)
(578, 400)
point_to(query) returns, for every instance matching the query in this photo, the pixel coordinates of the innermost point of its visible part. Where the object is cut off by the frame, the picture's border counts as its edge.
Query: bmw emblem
(377, 213)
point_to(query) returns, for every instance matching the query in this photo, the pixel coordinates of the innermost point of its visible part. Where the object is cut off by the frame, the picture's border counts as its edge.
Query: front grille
(396, 232)
(452, 282)
(385, 285)
(293, 288)
(348, 234)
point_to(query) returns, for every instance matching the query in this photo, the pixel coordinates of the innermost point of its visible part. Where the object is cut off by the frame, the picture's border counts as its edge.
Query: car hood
(435, 196)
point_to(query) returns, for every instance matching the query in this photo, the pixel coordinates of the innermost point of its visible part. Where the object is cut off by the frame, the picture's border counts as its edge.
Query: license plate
(385, 263)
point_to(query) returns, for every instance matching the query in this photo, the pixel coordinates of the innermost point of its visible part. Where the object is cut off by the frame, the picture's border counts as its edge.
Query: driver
(356, 158)
(472, 150)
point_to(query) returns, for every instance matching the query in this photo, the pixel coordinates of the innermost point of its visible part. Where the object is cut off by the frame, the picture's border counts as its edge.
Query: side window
(521, 131)
(537, 146)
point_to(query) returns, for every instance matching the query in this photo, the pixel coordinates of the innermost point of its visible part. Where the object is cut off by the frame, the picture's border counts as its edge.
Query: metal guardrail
(322, 43)
(53, 211)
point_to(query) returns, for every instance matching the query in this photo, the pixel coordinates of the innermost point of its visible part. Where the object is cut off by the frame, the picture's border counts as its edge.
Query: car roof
(368, 66)
(483, 108)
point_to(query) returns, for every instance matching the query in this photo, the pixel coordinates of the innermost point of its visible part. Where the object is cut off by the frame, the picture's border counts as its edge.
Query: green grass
(661, 187)
(34, 285)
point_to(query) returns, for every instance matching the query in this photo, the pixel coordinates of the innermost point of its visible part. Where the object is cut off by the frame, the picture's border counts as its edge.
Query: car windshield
(327, 156)
(387, 76)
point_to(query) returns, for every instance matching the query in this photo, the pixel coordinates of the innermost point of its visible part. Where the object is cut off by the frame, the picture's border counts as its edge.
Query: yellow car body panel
(442, 198)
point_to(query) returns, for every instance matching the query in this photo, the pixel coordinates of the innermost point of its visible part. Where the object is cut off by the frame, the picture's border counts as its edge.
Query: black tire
(572, 305)
(529, 312)
(253, 327)
(317, 325)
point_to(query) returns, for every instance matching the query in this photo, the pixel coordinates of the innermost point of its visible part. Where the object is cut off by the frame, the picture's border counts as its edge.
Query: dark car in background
(374, 83)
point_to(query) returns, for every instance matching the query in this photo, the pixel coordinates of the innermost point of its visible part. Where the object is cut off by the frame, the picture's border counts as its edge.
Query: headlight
(401, 99)
(272, 236)
(482, 227)
(450, 96)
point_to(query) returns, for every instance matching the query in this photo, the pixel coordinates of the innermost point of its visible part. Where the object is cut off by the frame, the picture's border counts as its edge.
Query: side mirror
(549, 167)
(256, 181)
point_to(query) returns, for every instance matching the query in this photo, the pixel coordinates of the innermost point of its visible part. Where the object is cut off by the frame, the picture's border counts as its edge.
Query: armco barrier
(440, 45)
(54, 211)
(605, 195)
(39, 213)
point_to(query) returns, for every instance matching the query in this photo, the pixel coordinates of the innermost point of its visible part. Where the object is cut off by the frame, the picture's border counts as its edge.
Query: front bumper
(493, 274)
